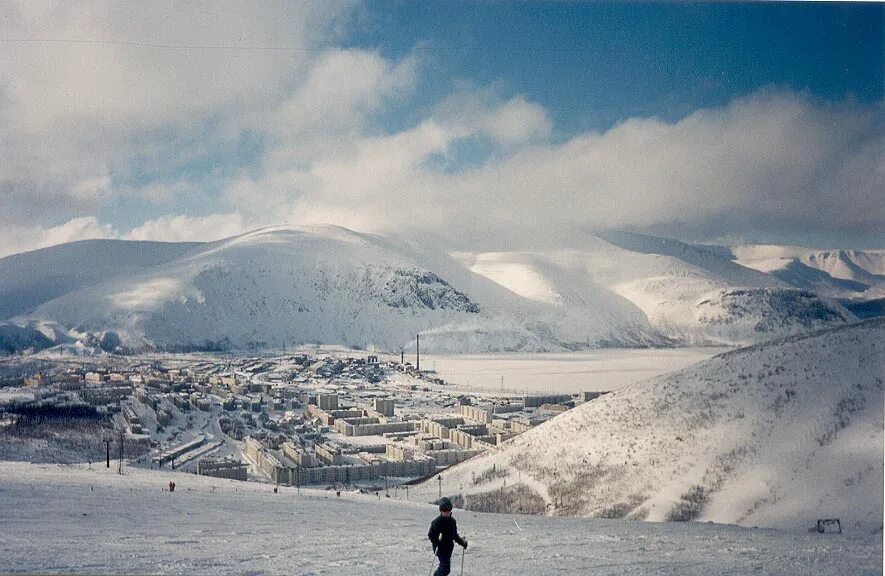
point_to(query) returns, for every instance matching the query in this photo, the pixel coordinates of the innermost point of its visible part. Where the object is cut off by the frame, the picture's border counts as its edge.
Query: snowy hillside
(689, 294)
(268, 289)
(775, 435)
(841, 273)
(15, 338)
(62, 519)
(278, 287)
(32, 278)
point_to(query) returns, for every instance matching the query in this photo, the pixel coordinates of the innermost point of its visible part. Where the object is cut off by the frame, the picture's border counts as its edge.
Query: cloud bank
(210, 123)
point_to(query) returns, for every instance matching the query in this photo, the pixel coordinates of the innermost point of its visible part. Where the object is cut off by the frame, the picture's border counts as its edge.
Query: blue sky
(479, 122)
(594, 64)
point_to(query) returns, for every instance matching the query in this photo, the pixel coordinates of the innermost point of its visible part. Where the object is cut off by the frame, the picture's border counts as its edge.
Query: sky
(483, 125)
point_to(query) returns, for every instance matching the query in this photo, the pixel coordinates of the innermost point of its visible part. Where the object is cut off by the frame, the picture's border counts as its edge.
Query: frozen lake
(565, 373)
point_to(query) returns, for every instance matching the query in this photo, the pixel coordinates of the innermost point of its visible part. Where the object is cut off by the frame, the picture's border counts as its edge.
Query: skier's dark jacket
(443, 535)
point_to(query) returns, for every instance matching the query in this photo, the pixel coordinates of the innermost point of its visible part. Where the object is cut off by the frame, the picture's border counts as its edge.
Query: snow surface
(279, 287)
(843, 273)
(32, 278)
(561, 373)
(775, 435)
(688, 294)
(70, 519)
(13, 394)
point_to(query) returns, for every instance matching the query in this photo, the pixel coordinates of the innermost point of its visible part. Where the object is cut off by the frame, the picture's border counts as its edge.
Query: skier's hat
(445, 505)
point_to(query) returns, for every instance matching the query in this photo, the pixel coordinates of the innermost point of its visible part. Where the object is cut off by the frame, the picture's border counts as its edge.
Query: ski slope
(70, 519)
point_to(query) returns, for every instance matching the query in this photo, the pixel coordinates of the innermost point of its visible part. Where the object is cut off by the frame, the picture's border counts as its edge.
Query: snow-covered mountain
(32, 278)
(777, 434)
(15, 338)
(689, 294)
(282, 286)
(837, 273)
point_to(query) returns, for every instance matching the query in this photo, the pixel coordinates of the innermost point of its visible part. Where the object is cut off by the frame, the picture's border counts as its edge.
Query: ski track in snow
(70, 519)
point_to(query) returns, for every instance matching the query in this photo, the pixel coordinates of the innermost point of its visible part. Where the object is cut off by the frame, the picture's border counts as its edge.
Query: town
(329, 418)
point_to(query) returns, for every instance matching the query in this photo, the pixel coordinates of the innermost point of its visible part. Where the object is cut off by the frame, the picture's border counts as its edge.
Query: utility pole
(108, 446)
(120, 469)
(418, 352)
(402, 357)
(439, 480)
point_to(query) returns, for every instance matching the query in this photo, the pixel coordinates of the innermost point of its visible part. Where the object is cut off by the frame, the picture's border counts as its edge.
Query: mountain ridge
(281, 286)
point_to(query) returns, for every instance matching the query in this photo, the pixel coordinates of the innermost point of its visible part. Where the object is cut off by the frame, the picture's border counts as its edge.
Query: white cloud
(146, 64)
(19, 238)
(517, 121)
(335, 105)
(771, 160)
(91, 189)
(363, 184)
(95, 93)
(190, 229)
(157, 114)
(485, 113)
(341, 89)
(368, 182)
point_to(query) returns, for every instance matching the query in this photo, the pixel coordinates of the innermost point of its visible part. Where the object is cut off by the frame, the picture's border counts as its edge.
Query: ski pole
(463, 553)
(432, 563)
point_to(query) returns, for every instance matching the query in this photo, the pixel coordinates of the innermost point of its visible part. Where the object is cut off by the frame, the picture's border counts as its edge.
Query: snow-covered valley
(753, 445)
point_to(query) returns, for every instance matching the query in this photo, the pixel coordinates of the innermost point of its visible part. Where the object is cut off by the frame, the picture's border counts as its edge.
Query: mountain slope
(32, 278)
(857, 274)
(276, 287)
(689, 294)
(777, 434)
(282, 286)
(714, 261)
(14, 339)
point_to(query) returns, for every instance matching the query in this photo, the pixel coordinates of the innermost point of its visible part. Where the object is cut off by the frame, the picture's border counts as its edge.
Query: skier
(443, 534)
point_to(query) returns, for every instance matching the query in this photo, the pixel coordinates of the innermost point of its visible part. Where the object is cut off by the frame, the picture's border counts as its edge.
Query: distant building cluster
(224, 468)
(330, 465)
(298, 419)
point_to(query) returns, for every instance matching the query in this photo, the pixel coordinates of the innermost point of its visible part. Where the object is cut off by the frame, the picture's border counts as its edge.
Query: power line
(101, 42)
(420, 47)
